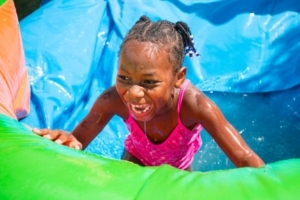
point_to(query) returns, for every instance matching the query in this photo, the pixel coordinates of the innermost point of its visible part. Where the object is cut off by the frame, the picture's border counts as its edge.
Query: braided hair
(176, 38)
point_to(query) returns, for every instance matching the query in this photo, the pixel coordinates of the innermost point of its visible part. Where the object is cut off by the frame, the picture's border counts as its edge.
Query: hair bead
(187, 38)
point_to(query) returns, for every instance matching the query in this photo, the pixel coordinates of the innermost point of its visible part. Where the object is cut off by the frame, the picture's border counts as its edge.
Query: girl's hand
(59, 136)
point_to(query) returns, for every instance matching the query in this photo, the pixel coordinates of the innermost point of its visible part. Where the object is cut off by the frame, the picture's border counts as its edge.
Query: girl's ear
(180, 77)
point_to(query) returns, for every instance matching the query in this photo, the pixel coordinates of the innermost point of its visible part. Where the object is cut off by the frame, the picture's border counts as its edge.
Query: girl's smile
(145, 80)
(142, 108)
(140, 111)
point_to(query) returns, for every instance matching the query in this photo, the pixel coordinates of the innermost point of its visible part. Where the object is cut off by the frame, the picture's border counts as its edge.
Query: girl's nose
(135, 91)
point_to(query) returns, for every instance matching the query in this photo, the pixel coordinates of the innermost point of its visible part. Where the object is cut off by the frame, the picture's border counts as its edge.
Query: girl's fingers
(36, 131)
(68, 140)
(58, 141)
(63, 138)
(48, 136)
(75, 145)
(41, 132)
(57, 134)
(51, 135)
(59, 137)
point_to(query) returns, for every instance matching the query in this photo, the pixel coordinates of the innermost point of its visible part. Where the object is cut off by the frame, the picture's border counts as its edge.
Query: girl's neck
(170, 106)
(161, 125)
(158, 129)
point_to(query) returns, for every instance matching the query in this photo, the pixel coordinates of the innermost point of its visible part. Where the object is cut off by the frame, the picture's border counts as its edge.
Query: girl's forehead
(145, 52)
(142, 46)
(144, 55)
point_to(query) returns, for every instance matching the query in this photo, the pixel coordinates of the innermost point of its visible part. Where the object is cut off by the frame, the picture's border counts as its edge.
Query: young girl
(163, 111)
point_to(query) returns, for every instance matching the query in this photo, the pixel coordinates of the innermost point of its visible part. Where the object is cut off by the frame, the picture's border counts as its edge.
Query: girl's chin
(143, 118)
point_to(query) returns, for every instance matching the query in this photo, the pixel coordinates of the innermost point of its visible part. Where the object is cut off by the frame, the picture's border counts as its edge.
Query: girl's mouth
(140, 108)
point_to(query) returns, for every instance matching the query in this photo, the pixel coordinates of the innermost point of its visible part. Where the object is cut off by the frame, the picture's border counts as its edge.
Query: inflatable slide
(62, 67)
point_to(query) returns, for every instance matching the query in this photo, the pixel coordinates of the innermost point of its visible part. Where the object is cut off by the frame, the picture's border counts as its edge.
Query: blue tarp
(248, 66)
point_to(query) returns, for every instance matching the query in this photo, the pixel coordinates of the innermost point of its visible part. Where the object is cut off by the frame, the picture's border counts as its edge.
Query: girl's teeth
(137, 108)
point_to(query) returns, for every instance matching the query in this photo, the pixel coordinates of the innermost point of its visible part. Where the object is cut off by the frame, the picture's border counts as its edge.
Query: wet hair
(175, 38)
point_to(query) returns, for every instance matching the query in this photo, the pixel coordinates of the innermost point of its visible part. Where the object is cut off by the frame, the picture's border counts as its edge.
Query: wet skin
(147, 88)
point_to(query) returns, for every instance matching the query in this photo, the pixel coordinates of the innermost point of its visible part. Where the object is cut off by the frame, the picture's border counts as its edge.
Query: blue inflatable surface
(249, 66)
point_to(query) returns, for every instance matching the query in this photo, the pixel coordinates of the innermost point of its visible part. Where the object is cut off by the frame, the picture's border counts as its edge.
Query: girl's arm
(106, 105)
(207, 113)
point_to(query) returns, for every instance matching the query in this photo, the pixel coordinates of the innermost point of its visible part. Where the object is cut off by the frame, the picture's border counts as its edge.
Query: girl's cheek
(125, 96)
(119, 89)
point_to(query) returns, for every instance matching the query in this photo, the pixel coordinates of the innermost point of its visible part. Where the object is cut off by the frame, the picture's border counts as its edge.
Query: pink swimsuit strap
(181, 93)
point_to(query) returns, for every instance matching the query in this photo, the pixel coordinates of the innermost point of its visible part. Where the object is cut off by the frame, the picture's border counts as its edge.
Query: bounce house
(56, 61)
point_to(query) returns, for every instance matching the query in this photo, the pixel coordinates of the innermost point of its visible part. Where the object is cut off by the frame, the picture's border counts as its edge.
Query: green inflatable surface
(35, 168)
(1, 2)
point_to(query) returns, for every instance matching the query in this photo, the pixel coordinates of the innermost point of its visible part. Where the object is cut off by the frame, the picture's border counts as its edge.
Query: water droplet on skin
(145, 128)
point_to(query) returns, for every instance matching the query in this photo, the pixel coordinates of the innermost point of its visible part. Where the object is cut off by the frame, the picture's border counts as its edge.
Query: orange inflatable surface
(14, 85)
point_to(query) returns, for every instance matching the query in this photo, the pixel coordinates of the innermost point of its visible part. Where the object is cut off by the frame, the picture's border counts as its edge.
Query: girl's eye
(149, 81)
(124, 78)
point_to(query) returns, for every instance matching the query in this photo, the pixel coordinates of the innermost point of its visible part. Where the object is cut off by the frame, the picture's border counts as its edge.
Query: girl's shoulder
(109, 101)
(109, 95)
(193, 96)
(194, 104)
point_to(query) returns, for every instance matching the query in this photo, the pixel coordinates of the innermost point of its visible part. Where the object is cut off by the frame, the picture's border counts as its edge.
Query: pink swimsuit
(177, 150)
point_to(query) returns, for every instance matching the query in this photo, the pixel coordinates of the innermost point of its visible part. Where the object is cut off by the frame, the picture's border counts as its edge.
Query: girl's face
(145, 79)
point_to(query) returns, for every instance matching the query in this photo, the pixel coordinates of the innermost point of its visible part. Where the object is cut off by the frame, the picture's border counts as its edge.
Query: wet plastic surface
(248, 65)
